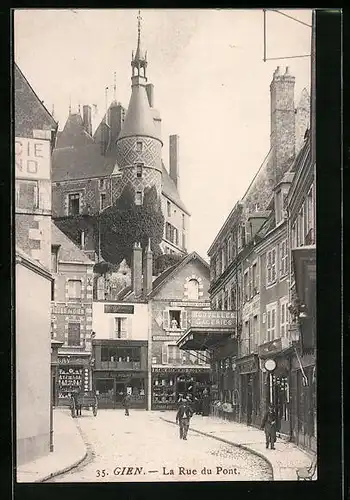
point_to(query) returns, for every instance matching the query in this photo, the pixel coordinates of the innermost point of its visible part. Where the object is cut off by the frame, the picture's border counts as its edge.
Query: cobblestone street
(142, 447)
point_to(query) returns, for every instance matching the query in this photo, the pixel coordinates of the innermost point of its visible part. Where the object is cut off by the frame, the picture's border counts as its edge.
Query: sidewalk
(69, 451)
(284, 460)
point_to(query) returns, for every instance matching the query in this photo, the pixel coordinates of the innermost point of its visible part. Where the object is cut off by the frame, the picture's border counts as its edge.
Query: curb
(69, 467)
(237, 445)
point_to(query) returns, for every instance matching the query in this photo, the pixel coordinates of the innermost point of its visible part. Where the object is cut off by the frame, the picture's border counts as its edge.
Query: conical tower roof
(139, 117)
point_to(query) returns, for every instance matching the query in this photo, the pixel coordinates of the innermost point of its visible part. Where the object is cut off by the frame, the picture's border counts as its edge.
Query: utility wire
(290, 17)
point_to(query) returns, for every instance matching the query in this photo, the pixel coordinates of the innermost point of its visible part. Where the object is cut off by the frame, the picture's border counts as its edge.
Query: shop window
(27, 194)
(121, 328)
(193, 290)
(74, 203)
(271, 267)
(74, 289)
(74, 334)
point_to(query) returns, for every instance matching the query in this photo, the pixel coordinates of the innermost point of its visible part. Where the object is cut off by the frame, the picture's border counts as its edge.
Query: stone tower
(139, 145)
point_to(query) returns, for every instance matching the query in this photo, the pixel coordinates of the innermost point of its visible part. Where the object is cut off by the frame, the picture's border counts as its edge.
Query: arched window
(192, 290)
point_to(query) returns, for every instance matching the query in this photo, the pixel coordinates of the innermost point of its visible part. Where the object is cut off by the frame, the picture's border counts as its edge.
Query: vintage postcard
(165, 245)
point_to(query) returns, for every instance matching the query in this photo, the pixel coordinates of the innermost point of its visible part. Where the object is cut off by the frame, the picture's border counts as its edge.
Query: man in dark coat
(126, 404)
(269, 424)
(183, 416)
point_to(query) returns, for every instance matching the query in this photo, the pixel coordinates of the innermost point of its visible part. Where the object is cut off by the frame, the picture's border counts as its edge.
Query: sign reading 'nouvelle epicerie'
(32, 158)
(119, 308)
(213, 318)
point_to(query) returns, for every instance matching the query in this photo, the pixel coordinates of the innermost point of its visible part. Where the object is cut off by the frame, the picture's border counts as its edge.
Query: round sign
(270, 365)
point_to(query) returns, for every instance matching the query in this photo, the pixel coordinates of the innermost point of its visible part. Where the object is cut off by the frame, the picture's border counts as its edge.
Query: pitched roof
(139, 118)
(34, 262)
(170, 190)
(30, 112)
(73, 133)
(171, 271)
(69, 252)
(81, 162)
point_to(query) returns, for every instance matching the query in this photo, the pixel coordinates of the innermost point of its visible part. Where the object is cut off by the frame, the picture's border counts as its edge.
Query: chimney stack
(174, 159)
(136, 270)
(87, 119)
(147, 269)
(150, 94)
(282, 119)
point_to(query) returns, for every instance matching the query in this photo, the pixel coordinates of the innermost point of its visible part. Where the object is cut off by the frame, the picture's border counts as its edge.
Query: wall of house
(104, 323)
(33, 358)
(180, 220)
(66, 311)
(272, 293)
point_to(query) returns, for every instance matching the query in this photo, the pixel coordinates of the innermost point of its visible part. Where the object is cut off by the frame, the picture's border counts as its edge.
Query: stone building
(35, 131)
(247, 251)
(90, 169)
(71, 320)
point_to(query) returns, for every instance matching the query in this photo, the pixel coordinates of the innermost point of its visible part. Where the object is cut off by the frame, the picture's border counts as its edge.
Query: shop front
(111, 386)
(276, 382)
(169, 384)
(74, 375)
(248, 369)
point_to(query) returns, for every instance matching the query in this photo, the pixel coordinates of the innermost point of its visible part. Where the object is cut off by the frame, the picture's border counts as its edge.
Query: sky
(211, 85)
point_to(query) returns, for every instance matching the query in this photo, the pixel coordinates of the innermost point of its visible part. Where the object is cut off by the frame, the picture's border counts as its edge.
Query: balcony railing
(120, 365)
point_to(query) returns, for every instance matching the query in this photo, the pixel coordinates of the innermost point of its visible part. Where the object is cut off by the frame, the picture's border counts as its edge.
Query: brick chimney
(87, 119)
(174, 159)
(115, 121)
(147, 269)
(282, 119)
(136, 270)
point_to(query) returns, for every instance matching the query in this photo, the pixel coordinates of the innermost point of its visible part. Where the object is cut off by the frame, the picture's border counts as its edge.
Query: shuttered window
(271, 267)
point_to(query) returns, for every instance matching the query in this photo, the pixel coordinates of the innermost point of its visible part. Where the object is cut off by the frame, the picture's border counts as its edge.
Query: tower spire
(139, 59)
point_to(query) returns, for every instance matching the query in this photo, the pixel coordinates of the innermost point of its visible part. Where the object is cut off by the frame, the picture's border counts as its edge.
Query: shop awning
(202, 338)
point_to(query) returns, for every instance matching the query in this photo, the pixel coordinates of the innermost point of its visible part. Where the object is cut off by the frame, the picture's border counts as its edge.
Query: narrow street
(142, 447)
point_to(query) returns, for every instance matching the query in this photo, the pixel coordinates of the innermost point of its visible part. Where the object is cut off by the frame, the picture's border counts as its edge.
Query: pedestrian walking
(183, 416)
(126, 404)
(269, 424)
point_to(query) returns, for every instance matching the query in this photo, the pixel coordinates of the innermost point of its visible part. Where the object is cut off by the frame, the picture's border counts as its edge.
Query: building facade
(176, 294)
(120, 351)
(35, 132)
(249, 262)
(90, 170)
(71, 316)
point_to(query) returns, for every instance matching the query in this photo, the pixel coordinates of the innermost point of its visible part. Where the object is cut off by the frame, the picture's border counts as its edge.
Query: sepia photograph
(165, 245)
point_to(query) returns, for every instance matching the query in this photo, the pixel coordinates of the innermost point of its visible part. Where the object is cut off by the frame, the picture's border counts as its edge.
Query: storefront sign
(67, 310)
(119, 309)
(179, 369)
(72, 360)
(248, 366)
(189, 303)
(32, 158)
(213, 318)
(165, 337)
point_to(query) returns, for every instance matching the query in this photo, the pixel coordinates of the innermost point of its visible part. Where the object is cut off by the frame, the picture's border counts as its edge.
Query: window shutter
(273, 322)
(126, 328)
(257, 284)
(250, 275)
(164, 354)
(184, 319)
(166, 320)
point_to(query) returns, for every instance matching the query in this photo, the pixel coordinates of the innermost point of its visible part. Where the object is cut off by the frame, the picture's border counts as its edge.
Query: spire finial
(139, 19)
